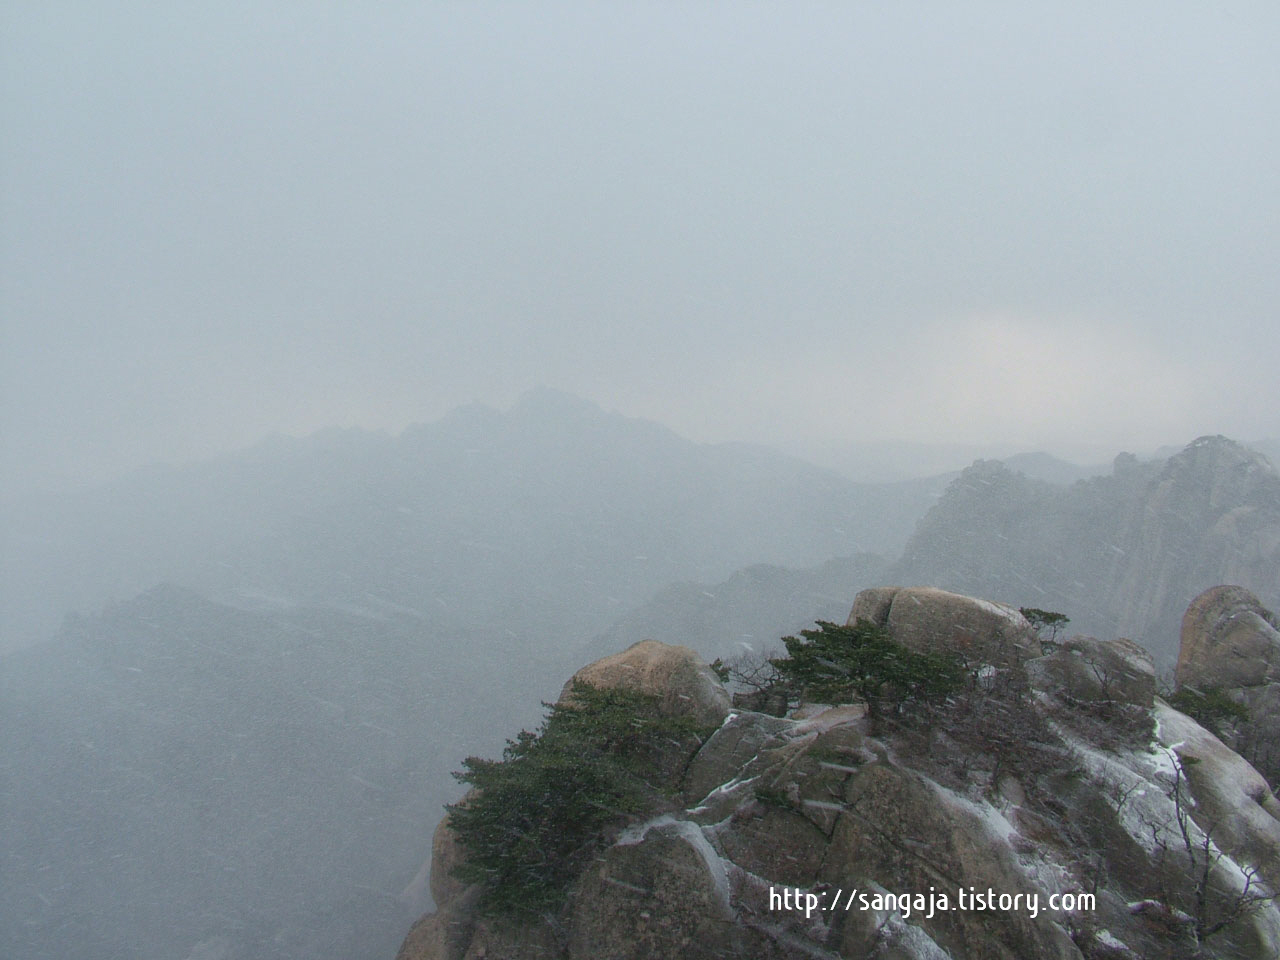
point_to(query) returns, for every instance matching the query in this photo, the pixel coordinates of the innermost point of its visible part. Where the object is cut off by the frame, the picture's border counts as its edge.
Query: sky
(1048, 226)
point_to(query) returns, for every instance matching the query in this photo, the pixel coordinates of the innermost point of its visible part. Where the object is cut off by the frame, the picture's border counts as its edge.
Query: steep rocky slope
(1121, 555)
(1096, 820)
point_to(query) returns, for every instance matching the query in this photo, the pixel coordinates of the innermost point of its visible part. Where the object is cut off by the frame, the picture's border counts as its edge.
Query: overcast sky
(1050, 225)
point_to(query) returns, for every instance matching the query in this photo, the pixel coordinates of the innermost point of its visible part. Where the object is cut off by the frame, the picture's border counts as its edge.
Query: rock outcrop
(928, 620)
(1231, 647)
(1229, 640)
(1122, 555)
(685, 684)
(1062, 811)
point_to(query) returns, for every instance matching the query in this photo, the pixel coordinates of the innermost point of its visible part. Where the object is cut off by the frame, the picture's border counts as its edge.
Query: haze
(1037, 226)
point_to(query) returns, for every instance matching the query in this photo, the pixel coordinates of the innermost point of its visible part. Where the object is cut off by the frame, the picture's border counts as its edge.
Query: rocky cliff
(1051, 806)
(1122, 555)
(1229, 671)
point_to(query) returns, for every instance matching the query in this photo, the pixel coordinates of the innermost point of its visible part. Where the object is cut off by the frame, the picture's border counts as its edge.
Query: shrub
(543, 811)
(754, 681)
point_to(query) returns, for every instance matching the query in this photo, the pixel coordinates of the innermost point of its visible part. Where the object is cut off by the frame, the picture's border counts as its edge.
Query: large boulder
(496, 938)
(726, 753)
(873, 604)
(1234, 807)
(1232, 800)
(1229, 640)
(445, 934)
(676, 674)
(1230, 644)
(929, 620)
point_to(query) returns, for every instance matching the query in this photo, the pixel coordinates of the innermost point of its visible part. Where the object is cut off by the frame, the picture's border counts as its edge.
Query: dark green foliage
(544, 810)
(838, 664)
(1042, 620)
(1212, 709)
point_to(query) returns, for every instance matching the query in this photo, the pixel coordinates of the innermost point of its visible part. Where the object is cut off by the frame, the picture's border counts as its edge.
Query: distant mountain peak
(1044, 466)
(543, 402)
(1212, 461)
(1220, 449)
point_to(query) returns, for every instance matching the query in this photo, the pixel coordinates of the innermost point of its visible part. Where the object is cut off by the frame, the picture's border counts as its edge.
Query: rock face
(661, 891)
(1098, 671)
(1121, 555)
(685, 683)
(1230, 643)
(928, 620)
(1228, 640)
(830, 834)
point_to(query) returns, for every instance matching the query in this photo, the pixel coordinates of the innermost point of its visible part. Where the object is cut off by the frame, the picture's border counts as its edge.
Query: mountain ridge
(1123, 555)
(480, 478)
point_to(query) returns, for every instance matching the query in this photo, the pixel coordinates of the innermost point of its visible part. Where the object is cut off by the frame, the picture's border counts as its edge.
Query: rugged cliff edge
(1123, 554)
(1052, 806)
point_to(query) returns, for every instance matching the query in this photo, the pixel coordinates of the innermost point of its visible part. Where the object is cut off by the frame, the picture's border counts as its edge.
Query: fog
(366, 371)
(992, 224)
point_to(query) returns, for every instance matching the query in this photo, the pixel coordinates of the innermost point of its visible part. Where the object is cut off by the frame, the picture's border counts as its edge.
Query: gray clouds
(1041, 224)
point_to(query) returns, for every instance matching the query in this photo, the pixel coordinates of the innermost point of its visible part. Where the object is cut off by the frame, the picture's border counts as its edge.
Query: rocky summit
(1050, 805)
(1122, 554)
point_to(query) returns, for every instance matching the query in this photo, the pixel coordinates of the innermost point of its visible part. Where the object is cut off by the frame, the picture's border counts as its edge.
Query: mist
(993, 225)
(366, 371)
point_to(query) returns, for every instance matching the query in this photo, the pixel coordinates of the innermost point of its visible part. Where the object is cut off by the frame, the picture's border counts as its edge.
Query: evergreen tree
(543, 811)
(837, 664)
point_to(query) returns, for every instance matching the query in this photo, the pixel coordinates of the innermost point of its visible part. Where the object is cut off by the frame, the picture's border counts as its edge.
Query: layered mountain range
(239, 745)
(1121, 554)
(553, 515)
